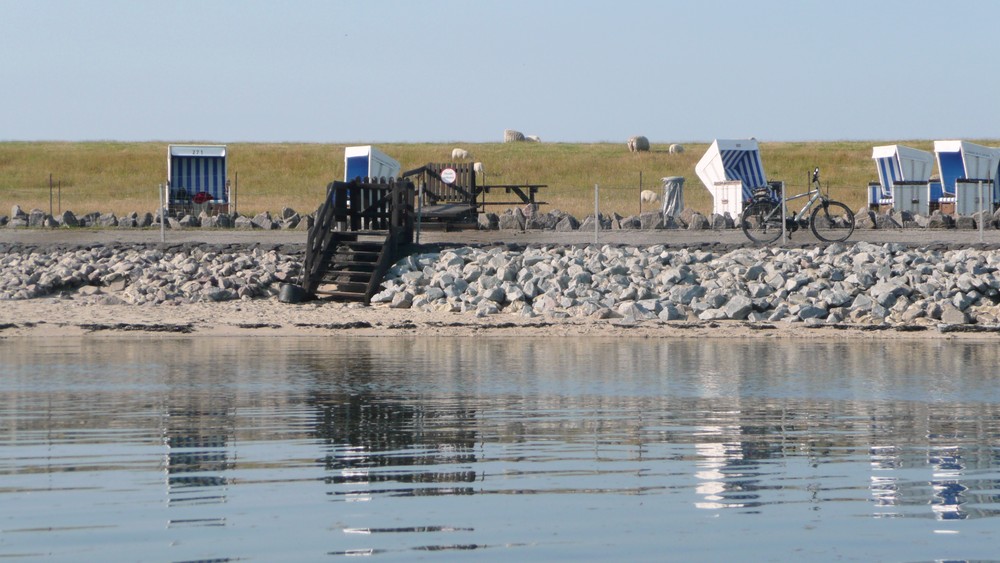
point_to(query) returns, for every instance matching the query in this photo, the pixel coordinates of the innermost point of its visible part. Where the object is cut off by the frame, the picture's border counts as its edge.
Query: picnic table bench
(461, 197)
(517, 189)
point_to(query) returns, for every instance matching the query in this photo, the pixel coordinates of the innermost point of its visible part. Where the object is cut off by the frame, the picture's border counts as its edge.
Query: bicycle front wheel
(761, 221)
(832, 221)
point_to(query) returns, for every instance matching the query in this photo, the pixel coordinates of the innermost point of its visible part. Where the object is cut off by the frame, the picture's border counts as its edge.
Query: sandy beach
(268, 318)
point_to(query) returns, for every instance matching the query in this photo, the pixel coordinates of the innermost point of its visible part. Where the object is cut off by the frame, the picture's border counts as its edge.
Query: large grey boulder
(864, 218)
(630, 222)
(188, 221)
(965, 222)
(68, 219)
(720, 222)
(567, 223)
(264, 221)
(698, 222)
(488, 221)
(36, 218)
(540, 222)
(90, 219)
(940, 220)
(650, 221)
(738, 308)
(512, 220)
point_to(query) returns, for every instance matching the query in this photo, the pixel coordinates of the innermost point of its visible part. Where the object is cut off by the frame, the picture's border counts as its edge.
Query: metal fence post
(784, 219)
(163, 232)
(597, 213)
(982, 210)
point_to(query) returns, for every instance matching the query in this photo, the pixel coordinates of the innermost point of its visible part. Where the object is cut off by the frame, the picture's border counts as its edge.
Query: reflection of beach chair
(196, 178)
(963, 165)
(731, 170)
(903, 179)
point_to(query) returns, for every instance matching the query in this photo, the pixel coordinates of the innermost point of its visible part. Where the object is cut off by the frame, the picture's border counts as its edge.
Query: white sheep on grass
(648, 196)
(459, 154)
(638, 143)
(512, 136)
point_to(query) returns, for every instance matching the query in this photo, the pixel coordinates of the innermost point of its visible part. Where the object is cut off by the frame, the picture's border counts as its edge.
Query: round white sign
(448, 175)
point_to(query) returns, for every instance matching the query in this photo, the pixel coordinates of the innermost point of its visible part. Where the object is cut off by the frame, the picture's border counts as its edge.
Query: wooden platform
(446, 211)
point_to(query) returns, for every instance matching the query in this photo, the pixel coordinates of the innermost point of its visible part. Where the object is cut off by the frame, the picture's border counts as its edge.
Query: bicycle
(830, 221)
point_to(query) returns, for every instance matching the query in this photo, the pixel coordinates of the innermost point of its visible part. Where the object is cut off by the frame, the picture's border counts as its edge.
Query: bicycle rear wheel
(761, 221)
(832, 221)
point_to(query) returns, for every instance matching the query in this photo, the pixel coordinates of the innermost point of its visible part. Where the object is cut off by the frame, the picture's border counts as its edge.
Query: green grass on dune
(124, 177)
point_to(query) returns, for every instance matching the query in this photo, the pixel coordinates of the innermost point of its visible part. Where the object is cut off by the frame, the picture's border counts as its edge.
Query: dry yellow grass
(124, 177)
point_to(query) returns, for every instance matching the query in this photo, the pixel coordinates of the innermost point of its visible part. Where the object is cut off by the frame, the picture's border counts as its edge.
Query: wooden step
(341, 262)
(345, 277)
(342, 295)
(345, 288)
(349, 266)
(362, 254)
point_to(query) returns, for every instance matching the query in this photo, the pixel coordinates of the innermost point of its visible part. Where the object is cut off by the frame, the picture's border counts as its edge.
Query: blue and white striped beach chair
(731, 170)
(196, 178)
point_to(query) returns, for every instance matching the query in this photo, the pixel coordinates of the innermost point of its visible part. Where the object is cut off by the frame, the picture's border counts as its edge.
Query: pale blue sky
(465, 70)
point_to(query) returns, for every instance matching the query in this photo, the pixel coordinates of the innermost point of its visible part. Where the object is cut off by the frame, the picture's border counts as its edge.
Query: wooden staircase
(358, 235)
(351, 266)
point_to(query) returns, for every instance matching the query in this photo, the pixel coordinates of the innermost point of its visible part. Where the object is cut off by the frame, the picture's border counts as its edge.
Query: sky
(342, 71)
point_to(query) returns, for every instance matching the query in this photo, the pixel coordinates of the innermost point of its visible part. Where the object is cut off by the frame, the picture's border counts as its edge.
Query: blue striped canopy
(195, 174)
(888, 173)
(745, 166)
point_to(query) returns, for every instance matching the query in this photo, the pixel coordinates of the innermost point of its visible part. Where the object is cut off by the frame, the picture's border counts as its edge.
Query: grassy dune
(124, 177)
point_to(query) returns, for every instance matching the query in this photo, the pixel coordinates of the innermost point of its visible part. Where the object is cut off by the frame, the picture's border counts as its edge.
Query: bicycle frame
(804, 212)
(815, 193)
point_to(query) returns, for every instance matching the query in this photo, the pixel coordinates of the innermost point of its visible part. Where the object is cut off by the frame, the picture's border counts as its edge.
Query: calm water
(274, 449)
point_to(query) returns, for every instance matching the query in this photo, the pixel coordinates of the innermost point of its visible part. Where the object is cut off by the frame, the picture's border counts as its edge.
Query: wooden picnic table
(525, 192)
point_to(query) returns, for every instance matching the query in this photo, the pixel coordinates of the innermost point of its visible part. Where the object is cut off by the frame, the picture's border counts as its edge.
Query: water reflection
(897, 431)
